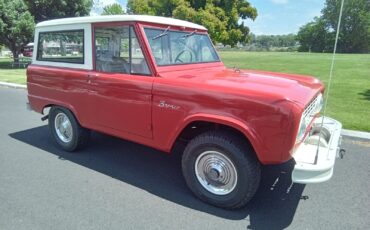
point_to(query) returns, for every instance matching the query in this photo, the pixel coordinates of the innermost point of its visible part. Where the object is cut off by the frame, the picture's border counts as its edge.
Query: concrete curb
(345, 132)
(358, 134)
(13, 85)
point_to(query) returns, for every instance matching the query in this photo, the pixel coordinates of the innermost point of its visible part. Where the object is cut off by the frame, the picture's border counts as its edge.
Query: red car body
(266, 107)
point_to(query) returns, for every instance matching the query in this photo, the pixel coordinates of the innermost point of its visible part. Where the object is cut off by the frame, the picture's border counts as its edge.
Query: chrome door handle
(92, 75)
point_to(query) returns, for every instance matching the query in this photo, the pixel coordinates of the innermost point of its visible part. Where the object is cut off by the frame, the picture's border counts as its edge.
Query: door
(121, 85)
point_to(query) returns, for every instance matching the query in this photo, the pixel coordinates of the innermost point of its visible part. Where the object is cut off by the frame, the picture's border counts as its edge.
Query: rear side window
(61, 46)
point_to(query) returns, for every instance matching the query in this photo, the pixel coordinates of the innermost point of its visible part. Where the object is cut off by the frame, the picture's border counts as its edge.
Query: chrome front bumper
(315, 162)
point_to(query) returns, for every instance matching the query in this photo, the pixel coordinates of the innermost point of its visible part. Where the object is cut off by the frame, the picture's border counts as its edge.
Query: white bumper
(316, 164)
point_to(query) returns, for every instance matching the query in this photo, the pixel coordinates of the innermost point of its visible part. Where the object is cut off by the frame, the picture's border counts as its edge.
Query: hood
(268, 85)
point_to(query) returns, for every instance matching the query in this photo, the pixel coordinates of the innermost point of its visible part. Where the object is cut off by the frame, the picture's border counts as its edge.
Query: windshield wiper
(189, 34)
(161, 34)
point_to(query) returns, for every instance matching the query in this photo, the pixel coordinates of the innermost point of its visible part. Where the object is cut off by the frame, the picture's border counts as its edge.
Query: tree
(355, 25)
(16, 26)
(51, 9)
(285, 42)
(113, 9)
(354, 36)
(313, 37)
(220, 17)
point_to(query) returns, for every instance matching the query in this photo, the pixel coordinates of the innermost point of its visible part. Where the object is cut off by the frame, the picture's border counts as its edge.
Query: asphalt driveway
(116, 184)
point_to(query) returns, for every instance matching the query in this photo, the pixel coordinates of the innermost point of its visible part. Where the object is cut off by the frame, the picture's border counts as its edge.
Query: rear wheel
(221, 169)
(66, 131)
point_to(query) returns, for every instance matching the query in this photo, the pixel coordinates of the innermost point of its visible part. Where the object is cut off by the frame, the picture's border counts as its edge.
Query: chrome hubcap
(63, 127)
(216, 173)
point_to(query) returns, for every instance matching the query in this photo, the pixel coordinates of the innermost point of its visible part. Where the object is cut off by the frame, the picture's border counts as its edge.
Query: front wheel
(221, 169)
(65, 129)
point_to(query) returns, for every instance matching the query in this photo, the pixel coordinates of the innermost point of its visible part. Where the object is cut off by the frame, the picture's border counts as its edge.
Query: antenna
(331, 72)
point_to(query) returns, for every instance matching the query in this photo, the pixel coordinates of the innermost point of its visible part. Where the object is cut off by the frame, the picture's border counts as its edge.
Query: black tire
(231, 148)
(77, 138)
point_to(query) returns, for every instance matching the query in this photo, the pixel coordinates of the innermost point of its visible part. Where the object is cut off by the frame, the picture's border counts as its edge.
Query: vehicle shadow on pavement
(273, 207)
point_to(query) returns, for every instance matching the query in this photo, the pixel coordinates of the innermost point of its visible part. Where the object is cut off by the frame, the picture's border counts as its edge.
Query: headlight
(302, 129)
(319, 104)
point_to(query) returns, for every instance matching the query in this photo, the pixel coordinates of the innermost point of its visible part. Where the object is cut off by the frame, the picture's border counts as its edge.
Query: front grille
(310, 108)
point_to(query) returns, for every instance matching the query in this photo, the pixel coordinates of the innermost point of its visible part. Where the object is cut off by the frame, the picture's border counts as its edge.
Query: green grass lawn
(349, 98)
(11, 74)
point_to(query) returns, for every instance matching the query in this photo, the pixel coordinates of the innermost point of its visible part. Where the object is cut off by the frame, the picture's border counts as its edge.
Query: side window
(61, 46)
(110, 48)
(138, 62)
(118, 51)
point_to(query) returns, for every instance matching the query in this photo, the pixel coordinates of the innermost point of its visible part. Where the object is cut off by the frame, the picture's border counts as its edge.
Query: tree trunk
(15, 57)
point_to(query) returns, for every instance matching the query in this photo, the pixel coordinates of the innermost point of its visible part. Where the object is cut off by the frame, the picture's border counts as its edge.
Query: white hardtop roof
(118, 18)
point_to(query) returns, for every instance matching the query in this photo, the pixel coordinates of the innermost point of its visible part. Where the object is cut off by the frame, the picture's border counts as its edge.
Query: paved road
(116, 184)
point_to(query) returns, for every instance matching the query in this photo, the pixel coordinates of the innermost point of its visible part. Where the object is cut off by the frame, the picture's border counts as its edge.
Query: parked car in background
(28, 50)
(159, 82)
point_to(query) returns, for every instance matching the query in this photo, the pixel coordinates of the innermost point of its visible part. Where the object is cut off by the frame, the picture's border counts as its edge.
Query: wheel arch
(208, 122)
(63, 105)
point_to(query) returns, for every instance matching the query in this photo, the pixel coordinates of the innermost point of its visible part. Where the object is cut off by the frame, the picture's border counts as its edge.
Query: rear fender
(39, 104)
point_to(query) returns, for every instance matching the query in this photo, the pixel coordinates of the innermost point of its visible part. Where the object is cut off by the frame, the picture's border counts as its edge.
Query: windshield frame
(177, 29)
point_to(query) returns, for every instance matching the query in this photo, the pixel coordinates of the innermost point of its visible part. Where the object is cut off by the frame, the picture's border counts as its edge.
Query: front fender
(248, 132)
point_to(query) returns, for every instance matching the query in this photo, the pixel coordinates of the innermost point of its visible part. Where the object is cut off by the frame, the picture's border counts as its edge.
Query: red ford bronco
(159, 81)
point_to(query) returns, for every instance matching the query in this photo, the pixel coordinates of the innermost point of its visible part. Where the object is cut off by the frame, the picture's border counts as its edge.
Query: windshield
(177, 47)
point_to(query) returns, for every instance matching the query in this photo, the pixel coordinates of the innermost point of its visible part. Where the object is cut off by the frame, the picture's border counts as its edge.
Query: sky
(274, 16)
(283, 16)
(100, 4)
